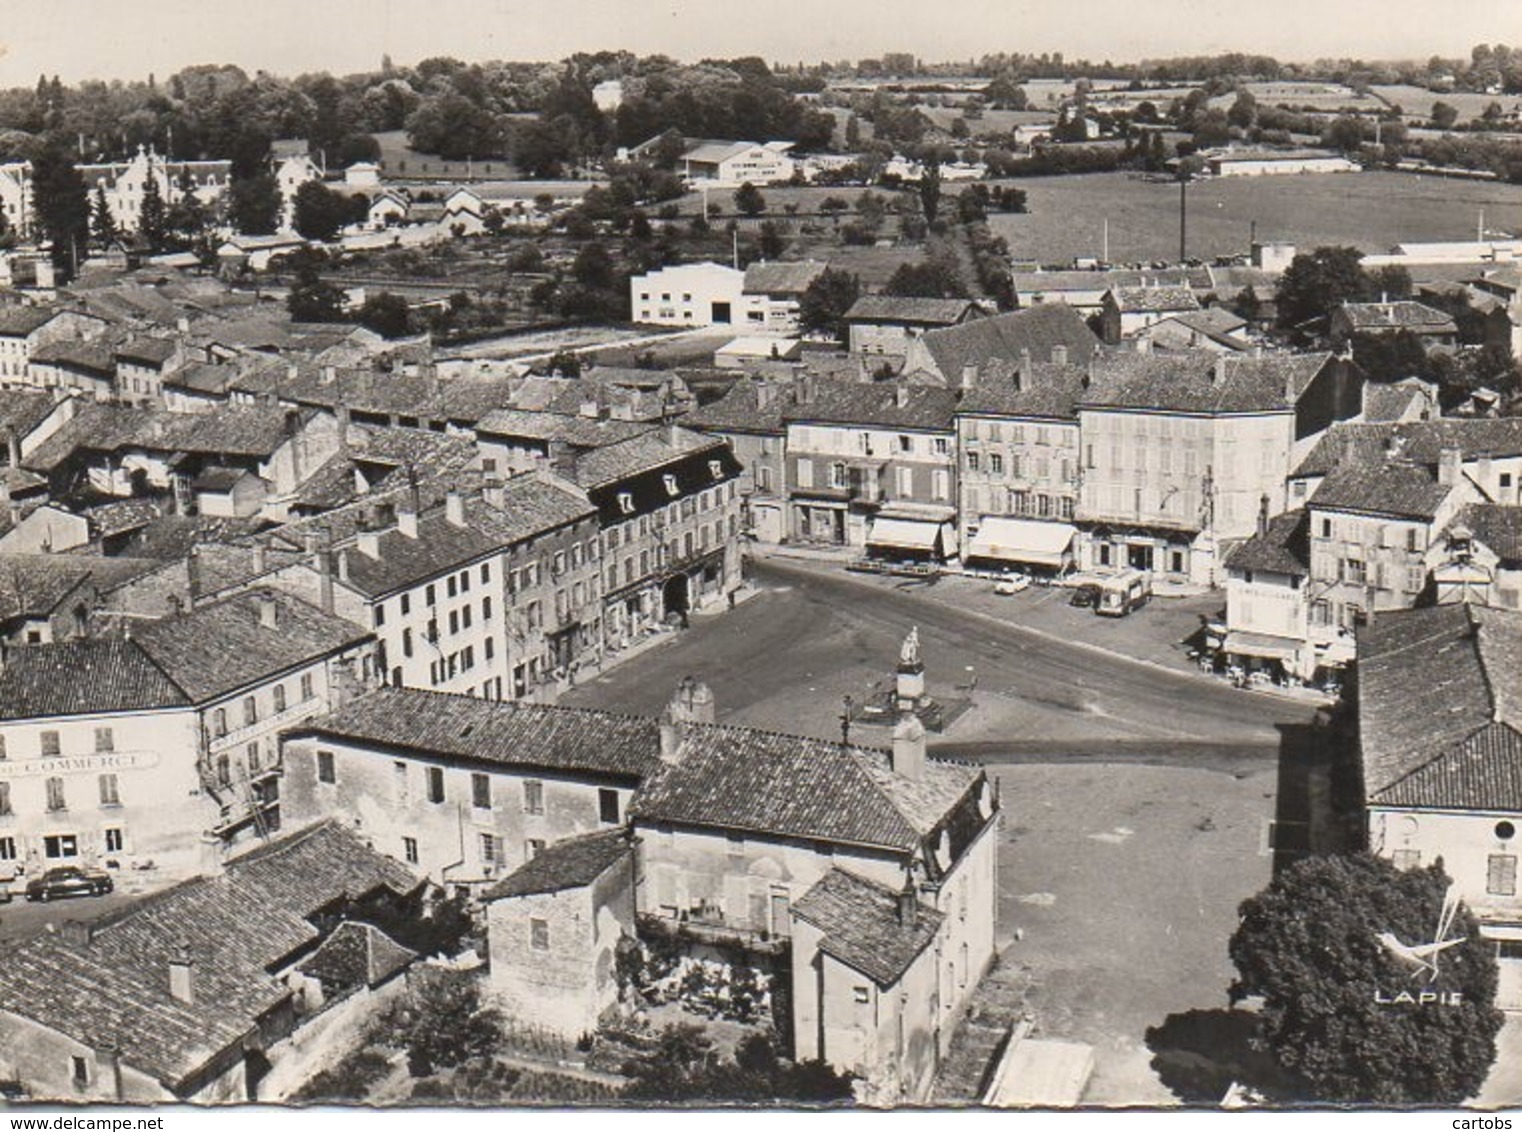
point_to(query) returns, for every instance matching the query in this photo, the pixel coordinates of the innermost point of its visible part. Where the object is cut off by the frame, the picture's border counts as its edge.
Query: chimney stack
(13, 449)
(193, 575)
(182, 975)
(909, 748)
(494, 494)
(1263, 515)
(261, 558)
(76, 933)
(269, 612)
(367, 542)
(454, 508)
(671, 737)
(325, 580)
(969, 376)
(908, 901)
(341, 411)
(343, 565)
(901, 394)
(692, 702)
(1025, 375)
(1449, 462)
(1059, 355)
(406, 520)
(1218, 371)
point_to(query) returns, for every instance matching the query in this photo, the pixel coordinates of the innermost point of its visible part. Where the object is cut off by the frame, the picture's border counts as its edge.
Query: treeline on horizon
(542, 115)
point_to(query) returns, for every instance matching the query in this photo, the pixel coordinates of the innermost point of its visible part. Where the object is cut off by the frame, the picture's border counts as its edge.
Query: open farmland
(1370, 211)
(1416, 103)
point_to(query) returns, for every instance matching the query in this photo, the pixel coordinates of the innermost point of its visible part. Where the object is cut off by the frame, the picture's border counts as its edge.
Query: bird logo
(1423, 957)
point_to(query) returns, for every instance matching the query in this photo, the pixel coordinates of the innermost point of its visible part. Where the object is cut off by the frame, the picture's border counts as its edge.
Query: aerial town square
(647, 559)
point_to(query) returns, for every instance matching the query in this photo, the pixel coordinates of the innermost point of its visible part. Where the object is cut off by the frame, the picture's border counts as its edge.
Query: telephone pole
(1183, 216)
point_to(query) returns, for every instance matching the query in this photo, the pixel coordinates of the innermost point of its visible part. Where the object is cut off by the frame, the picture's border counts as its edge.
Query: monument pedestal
(910, 690)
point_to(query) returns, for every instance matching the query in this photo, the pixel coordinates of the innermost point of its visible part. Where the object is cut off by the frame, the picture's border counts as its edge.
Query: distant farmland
(1370, 211)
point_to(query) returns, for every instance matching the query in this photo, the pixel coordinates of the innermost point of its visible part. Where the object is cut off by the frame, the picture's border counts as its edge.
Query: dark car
(1085, 596)
(68, 880)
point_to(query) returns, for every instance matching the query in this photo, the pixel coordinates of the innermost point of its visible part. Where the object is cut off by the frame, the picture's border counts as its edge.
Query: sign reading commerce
(78, 764)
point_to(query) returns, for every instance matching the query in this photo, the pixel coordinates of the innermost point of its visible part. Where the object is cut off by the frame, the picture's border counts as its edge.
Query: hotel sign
(103, 763)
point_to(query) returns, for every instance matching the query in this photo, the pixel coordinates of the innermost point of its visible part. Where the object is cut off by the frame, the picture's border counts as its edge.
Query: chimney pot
(269, 612)
(343, 565)
(406, 522)
(901, 394)
(494, 494)
(1449, 462)
(367, 542)
(1218, 372)
(908, 900)
(182, 975)
(454, 508)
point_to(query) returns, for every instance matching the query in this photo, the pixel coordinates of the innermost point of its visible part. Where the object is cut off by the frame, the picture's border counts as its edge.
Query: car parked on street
(1085, 596)
(1012, 584)
(68, 880)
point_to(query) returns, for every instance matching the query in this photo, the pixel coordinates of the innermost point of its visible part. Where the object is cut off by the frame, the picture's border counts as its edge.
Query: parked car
(68, 880)
(1085, 596)
(1012, 584)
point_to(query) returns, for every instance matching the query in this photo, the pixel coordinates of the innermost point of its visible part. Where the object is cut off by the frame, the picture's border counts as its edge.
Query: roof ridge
(1476, 628)
(1447, 750)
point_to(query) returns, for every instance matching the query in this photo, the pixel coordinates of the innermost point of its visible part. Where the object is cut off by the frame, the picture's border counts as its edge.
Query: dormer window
(626, 502)
(670, 482)
(716, 468)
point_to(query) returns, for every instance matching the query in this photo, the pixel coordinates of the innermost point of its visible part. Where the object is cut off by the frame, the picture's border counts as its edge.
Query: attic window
(626, 502)
(466, 730)
(670, 482)
(716, 468)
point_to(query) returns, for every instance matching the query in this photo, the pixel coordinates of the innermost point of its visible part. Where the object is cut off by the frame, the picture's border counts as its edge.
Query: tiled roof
(575, 430)
(1214, 321)
(876, 404)
(232, 431)
(19, 321)
(357, 955)
(93, 357)
(1440, 707)
(1419, 442)
(505, 734)
(1197, 381)
(121, 515)
(1056, 282)
(32, 585)
(740, 410)
(765, 782)
(1384, 402)
(1283, 549)
(1154, 299)
(218, 648)
(152, 351)
(1051, 393)
(641, 453)
(23, 410)
(531, 505)
(1386, 488)
(114, 988)
(87, 676)
(1403, 315)
(1497, 526)
(899, 308)
(781, 278)
(572, 863)
(863, 927)
(1038, 329)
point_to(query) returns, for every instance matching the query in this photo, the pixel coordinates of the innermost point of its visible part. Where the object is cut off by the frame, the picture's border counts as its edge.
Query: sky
(109, 39)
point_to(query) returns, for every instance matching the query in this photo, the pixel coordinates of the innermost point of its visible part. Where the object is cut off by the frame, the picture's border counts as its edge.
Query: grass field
(1416, 102)
(1370, 211)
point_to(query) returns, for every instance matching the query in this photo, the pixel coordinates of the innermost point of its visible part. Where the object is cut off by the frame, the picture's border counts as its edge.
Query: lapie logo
(1424, 959)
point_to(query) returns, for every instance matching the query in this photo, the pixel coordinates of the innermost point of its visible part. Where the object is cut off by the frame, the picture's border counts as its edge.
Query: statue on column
(909, 652)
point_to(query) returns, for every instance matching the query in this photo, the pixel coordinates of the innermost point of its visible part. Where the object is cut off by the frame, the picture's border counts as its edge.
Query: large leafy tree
(1308, 946)
(62, 204)
(1317, 282)
(825, 301)
(253, 204)
(312, 298)
(318, 212)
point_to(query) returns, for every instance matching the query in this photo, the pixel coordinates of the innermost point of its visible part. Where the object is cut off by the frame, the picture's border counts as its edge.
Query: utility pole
(1105, 256)
(1183, 216)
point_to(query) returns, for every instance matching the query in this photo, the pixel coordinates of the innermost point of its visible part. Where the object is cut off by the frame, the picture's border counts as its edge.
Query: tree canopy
(1308, 946)
(825, 301)
(1317, 282)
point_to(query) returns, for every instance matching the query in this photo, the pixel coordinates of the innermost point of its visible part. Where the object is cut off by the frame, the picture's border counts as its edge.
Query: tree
(1390, 282)
(1345, 134)
(853, 133)
(1317, 282)
(62, 204)
(319, 212)
(1308, 946)
(824, 303)
(440, 1021)
(935, 277)
(1444, 116)
(930, 187)
(683, 1066)
(771, 242)
(749, 200)
(151, 224)
(253, 205)
(386, 314)
(102, 223)
(312, 298)
(1244, 111)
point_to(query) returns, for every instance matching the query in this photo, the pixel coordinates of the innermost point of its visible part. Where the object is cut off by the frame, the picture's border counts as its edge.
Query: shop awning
(903, 534)
(1028, 541)
(1243, 643)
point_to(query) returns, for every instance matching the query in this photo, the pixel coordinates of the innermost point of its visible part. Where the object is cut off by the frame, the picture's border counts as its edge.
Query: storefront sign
(102, 763)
